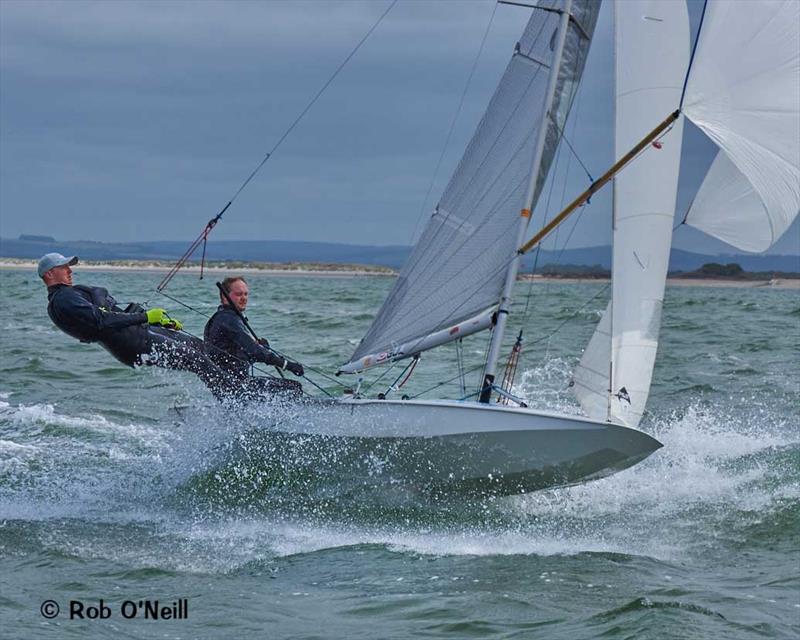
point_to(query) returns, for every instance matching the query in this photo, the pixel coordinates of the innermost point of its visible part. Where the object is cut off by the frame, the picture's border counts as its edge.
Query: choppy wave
(99, 476)
(206, 482)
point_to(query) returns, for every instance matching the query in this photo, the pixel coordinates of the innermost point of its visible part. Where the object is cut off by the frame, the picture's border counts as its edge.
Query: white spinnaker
(652, 53)
(744, 93)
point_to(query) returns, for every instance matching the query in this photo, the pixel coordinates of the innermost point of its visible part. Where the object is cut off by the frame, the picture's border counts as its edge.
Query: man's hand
(161, 318)
(263, 342)
(296, 368)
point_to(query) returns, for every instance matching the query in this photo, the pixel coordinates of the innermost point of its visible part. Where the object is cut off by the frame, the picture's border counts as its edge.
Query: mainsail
(458, 267)
(744, 93)
(651, 56)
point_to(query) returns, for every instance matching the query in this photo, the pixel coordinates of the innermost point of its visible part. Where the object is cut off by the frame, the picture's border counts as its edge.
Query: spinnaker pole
(525, 215)
(599, 183)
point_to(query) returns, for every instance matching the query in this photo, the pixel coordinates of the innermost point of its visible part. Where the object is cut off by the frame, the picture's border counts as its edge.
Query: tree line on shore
(709, 271)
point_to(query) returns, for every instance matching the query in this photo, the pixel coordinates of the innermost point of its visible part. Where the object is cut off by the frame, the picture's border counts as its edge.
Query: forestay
(651, 56)
(457, 268)
(744, 93)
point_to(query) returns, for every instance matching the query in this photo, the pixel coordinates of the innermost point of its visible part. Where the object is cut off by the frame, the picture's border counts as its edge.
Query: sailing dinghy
(742, 89)
(458, 280)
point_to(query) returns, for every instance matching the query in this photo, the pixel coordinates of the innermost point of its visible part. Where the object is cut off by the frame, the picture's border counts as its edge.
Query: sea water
(127, 491)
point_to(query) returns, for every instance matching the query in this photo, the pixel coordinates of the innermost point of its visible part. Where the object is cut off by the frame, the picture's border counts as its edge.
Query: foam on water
(709, 465)
(14, 457)
(692, 466)
(712, 464)
(45, 415)
(546, 386)
(54, 464)
(6, 446)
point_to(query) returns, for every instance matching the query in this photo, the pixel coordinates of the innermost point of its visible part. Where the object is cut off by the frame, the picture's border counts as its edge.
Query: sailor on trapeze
(133, 336)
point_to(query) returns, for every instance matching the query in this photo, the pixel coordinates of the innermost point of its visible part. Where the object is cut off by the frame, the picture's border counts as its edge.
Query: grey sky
(139, 120)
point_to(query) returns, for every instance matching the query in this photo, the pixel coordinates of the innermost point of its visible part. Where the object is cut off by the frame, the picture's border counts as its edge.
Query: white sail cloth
(744, 93)
(457, 268)
(651, 56)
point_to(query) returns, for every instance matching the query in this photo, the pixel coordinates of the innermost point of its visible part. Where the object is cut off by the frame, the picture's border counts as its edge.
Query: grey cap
(50, 260)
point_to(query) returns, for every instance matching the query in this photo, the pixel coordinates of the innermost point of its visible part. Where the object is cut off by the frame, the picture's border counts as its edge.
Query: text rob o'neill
(128, 610)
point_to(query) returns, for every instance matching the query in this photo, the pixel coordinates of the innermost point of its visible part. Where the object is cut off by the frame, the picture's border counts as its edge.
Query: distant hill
(239, 250)
(390, 256)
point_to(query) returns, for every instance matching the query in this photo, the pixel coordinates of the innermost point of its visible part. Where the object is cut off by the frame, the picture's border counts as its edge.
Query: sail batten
(458, 266)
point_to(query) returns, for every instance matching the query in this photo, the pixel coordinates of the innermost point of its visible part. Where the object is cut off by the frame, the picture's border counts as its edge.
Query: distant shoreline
(288, 270)
(776, 283)
(357, 271)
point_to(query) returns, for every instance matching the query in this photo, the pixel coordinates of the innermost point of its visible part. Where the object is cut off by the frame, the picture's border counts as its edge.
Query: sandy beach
(355, 271)
(288, 270)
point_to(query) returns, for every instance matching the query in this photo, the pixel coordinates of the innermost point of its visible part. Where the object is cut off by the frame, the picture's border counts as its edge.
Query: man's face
(238, 293)
(58, 275)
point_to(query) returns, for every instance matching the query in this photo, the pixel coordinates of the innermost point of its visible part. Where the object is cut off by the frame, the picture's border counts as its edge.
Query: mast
(614, 187)
(525, 215)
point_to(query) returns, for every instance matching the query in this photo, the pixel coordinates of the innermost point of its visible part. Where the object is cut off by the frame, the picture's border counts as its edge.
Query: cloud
(155, 112)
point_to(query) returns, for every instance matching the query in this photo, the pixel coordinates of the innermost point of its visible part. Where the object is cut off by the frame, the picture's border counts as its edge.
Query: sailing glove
(161, 317)
(295, 367)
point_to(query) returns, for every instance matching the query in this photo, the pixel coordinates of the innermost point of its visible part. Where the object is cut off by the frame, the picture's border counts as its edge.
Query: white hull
(448, 446)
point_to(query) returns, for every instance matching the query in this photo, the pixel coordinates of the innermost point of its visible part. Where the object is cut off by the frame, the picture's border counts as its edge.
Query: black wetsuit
(229, 345)
(91, 314)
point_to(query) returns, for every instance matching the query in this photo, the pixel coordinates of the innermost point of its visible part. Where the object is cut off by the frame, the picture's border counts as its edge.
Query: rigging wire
(408, 368)
(685, 215)
(202, 238)
(482, 377)
(511, 368)
(444, 382)
(691, 58)
(538, 340)
(459, 344)
(569, 318)
(455, 119)
(546, 211)
(566, 172)
(516, 353)
(386, 372)
(632, 159)
(413, 366)
(572, 149)
(514, 356)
